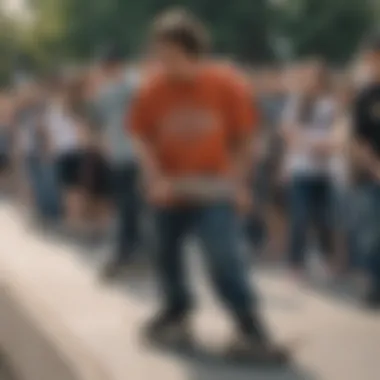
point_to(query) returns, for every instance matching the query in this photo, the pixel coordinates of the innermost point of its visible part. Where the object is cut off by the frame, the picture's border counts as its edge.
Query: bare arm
(364, 156)
(290, 130)
(340, 136)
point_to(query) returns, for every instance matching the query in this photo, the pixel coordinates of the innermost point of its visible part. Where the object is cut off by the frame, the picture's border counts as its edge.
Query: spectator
(269, 201)
(65, 136)
(94, 171)
(111, 105)
(6, 123)
(308, 129)
(345, 257)
(366, 119)
(30, 147)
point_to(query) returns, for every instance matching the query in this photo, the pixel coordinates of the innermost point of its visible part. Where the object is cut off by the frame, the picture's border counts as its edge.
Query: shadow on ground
(201, 372)
(342, 291)
(205, 364)
(6, 370)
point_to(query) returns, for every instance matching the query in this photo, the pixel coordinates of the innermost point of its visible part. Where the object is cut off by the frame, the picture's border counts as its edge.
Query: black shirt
(367, 117)
(366, 127)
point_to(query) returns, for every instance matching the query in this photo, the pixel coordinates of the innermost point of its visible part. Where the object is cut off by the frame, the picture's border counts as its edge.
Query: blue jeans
(217, 226)
(355, 259)
(128, 205)
(310, 206)
(44, 185)
(367, 223)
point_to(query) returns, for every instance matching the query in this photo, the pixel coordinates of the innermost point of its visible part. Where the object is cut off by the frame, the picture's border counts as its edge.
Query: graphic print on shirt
(189, 123)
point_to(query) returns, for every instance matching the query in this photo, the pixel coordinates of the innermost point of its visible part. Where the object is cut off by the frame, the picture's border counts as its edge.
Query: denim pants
(217, 227)
(43, 181)
(310, 206)
(127, 201)
(367, 224)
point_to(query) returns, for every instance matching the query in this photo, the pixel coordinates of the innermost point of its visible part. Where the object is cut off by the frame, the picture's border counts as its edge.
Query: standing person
(366, 134)
(65, 145)
(94, 172)
(30, 146)
(111, 104)
(193, 121)
(308, 131)
(345, 257)
(6, 122)
(272, 100)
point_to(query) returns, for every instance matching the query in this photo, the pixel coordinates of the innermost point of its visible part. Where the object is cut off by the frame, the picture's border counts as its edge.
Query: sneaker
(250, 350)
(112, 270)
(134, 268)
(169, 329)
(298, 276)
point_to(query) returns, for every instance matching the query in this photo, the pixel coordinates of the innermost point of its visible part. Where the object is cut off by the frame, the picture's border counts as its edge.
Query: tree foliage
(331, 29)
(249, 30)
(8, 47)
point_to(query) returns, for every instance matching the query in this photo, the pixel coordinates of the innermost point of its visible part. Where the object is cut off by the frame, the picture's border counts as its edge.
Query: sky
(14, 7)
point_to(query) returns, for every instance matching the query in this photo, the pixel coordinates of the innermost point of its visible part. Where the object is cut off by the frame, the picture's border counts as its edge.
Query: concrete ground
(337, 340)
(6, 370)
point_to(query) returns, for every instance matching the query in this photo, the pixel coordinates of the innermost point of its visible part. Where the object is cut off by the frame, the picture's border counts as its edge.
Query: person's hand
(159, 191)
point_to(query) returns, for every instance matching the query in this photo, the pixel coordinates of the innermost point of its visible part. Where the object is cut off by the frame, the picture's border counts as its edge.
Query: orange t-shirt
(191, 125)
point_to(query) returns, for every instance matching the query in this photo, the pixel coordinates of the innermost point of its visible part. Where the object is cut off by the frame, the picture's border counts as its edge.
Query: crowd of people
(284, 159)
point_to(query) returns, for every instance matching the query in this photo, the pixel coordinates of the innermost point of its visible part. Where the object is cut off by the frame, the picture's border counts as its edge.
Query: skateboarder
(192, 120)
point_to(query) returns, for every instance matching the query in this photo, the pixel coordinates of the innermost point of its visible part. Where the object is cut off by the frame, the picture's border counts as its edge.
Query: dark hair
(180, 27)
(111, 55)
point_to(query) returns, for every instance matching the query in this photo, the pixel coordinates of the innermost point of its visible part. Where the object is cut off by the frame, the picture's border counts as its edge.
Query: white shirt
(62, 130)
(340, 160)
(300, 159)
(112, 105)
(29, 121)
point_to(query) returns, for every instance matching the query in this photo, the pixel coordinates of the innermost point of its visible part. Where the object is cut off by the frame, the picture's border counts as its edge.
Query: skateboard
(213, 353)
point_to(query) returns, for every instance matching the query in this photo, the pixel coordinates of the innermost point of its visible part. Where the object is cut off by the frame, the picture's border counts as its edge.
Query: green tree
(331, 29)
(250, 30)
(43, 40)
(239, 27)
(9, 43)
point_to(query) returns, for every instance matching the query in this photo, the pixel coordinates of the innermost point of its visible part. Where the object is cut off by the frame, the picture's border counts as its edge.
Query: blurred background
(41, 34)
(49, 52)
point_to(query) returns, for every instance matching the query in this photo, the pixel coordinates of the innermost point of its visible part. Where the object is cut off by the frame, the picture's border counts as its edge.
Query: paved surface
(338, 341)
